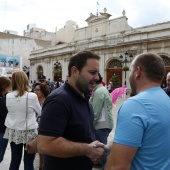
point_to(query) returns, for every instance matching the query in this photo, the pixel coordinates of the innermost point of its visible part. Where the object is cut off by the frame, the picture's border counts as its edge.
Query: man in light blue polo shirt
(142, 137)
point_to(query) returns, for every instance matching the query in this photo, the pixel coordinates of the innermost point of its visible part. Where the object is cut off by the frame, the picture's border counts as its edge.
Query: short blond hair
(20, 82)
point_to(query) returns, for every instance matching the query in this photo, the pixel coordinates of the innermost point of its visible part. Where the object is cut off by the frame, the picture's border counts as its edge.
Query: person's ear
(74, 71)
(138, 72)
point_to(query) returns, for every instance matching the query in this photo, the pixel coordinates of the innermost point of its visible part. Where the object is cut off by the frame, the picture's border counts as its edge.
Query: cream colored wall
(67, 33)
(112, 39)
(104, 27)
(18, 47)
(42, 35)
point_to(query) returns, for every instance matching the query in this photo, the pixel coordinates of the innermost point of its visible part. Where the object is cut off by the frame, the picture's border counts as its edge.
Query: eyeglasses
(36, 89)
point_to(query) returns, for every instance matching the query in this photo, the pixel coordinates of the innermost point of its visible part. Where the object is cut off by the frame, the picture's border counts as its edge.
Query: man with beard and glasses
(142, 136)
(66, 133)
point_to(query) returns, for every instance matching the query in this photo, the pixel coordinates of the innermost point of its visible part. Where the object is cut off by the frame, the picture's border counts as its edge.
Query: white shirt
(16, 117)
(109, 87)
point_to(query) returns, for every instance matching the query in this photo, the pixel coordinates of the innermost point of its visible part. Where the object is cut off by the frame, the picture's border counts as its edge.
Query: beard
(133, 86)
(83, 85)
(133, 91)
(168, 85)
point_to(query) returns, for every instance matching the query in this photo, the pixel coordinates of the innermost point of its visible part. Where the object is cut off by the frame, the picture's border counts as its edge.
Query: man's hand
(106, 148)
(95, 153)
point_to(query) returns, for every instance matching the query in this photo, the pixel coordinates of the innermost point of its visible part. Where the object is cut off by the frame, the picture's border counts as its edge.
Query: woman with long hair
(21, 126)
(42, 90)
(5, 85)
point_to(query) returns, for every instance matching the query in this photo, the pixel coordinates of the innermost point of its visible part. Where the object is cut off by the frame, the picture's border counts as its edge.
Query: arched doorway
(39, 71)
(167, 67)
(114, 68)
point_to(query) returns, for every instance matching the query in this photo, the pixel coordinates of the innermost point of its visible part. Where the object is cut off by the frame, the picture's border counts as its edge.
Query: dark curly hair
(44, 88)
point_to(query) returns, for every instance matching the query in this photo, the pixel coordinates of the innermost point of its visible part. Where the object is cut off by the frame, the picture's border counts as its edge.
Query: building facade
(113, 40)
(14, 45)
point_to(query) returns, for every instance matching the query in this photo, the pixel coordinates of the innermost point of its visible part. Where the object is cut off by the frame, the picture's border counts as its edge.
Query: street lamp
(57, 69)
(125, 61)
(57, 65)
(25, 69)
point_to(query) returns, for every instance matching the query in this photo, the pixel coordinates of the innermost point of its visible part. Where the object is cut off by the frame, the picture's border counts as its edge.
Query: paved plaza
(7, 158)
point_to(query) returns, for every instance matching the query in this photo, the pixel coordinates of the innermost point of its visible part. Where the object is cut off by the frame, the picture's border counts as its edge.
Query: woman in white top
(21, 127)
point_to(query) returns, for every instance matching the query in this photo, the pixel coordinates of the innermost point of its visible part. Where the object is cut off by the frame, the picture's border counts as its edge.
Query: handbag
(31, 146)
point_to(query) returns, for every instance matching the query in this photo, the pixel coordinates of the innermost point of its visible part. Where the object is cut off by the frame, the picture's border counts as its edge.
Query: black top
(68, 114)
(167, 91)
(3, 113)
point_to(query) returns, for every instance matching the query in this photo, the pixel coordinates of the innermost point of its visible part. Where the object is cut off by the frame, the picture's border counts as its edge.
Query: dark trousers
(3, 145)
(16, 151)
(102, 135)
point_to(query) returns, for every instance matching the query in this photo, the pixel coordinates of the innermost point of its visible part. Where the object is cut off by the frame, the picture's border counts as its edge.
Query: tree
(57, 71)
(125, 68)
(116, 81)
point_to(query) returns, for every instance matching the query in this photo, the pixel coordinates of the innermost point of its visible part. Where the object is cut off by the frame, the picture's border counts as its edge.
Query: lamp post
(57, 65)
(125, 61)
(26, 70)
(57, 69)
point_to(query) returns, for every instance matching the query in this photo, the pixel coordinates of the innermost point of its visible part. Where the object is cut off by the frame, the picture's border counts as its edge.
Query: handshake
(98, 151)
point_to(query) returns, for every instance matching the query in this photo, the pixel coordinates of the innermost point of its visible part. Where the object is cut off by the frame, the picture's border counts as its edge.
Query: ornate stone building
(113, 39)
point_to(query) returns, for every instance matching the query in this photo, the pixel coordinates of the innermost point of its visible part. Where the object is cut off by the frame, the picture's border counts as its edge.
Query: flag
(118, 92)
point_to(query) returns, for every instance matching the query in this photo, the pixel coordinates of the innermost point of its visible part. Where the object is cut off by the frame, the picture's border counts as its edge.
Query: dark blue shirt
(67, 114)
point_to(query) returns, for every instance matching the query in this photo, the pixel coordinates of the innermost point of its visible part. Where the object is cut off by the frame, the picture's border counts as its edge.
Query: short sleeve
(131, 124)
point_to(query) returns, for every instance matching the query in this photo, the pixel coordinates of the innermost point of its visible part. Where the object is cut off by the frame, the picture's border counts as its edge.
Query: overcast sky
(48, 14)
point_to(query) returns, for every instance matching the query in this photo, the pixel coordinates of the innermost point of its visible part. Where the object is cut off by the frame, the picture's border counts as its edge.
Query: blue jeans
(102, 135)
(16, 151)
(3, 145)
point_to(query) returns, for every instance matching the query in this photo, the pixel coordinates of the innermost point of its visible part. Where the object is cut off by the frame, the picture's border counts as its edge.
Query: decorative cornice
(94, 18)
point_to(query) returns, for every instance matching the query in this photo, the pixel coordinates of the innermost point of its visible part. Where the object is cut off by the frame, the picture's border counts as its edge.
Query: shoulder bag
(31, 146)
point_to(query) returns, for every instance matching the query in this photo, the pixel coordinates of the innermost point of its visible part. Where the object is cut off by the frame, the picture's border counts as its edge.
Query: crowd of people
(52, 84)
(73, 123)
